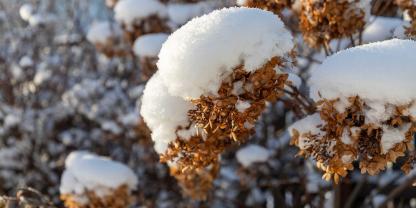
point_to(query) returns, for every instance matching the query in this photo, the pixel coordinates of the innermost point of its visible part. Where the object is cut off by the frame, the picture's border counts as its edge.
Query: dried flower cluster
(323, 21)
(410, 7)
(117, 198)
(275, 6)
(342, 136)
(221, 122)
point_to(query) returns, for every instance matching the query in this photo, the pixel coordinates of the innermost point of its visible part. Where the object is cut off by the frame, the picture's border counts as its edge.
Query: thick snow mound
(382, 72)
(101, 32)
(195, 59)
(128, 11)
(86, 171)
(149, 45)
(252, 154)
(163, 113)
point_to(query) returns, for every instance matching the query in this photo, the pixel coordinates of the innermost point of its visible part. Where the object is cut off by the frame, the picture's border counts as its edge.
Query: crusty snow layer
(101, 32)
(382, 72)
(195, 59)
(252, 154)
(163, 113)
(128, 11)
(149, 45)
(86, 171)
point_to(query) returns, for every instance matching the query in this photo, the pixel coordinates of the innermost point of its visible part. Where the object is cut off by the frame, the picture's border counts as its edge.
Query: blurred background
(62, 90)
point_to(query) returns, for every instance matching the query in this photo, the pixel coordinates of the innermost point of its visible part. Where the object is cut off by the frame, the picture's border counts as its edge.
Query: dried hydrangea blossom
(410, 7)
(107, 38)
(325, 20)
(366, 109)
(93, 181)
(139, 17)
(146, 48)
(206, 96)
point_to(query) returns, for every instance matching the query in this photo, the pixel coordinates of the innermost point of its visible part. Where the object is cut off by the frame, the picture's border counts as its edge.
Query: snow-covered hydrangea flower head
(87, 174)
(102, 32)
(322, 21)
(207, 49)
(108, 38)
(146, 48)
(366, 101)
(205, 96)
(129, 11)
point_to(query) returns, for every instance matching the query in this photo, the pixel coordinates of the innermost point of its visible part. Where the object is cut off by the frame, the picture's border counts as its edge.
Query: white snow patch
(101, 32)
(309, 124)
(26, 11)
(392, 136)
(381, 71)
(241, 106)
(25, 61)
(149, 45)
(381, 28)
(252, 154)
(162, 112)
(128, 11)
(179, 13)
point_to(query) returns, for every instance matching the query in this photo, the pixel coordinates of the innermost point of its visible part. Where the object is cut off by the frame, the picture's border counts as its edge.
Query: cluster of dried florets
(224, 120)
(365, 122)
(322, 21)
(108, 38)
(275, 6)
(410, 7)
(212, 104)
(140, 17)
(340, 138)
(92, 181)
(119, 198)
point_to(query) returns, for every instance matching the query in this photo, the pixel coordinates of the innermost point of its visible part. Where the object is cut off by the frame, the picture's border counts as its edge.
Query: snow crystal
(380, 28)
(149, 45)
(101, 32)
(309, 124)
(128, 11)
(26, 11)
(252, 154)
(86, 171)
(216, 43)
(381, 71)
(162, 112)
